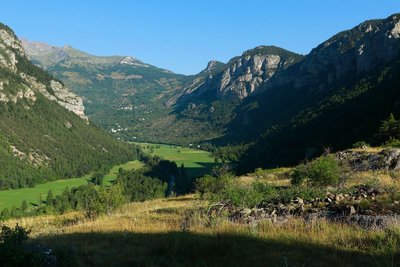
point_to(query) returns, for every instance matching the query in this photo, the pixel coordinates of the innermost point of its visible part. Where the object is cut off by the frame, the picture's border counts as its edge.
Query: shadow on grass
(188, 249)
(203, 169)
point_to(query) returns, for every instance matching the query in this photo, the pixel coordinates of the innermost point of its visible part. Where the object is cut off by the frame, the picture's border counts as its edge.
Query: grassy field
(171, 232)
(197, 162)
(8, 198)
(112, 175)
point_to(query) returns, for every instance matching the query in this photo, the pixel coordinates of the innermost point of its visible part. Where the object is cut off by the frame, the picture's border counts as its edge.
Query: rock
(54, 90)
(339, 197)
(245, 212)
(350, 210)
(43, 254)
(330, 195)
(298, 201)
(387, 159)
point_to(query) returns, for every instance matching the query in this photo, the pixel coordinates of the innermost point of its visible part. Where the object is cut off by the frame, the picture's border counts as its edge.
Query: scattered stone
(350, 210)
(339, 197)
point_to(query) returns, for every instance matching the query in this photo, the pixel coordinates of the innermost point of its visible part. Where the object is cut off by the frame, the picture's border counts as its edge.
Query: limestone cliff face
(348, 54)
(246, 74)
(13, 60)
(242, 76)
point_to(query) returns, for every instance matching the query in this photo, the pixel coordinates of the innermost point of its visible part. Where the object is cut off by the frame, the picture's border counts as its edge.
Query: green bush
(299, 174)
(12, 252)
(229, 189)
(320, 172)
(392, 142)
(360, 144)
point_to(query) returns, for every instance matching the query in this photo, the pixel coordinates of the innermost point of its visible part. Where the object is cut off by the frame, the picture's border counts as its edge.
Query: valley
(270, 157)
(197, 163)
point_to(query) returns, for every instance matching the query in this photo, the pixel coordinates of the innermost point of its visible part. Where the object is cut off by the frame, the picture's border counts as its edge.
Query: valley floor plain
(197, 162)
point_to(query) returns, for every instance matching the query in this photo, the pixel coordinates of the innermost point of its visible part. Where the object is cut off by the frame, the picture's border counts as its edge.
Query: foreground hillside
(44, 133)
(153, 233)
(338, 210)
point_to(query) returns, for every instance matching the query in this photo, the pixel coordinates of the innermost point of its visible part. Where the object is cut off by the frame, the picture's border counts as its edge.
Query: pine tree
(50, 197)
(182, 183)
(390, 127)
(24, 206)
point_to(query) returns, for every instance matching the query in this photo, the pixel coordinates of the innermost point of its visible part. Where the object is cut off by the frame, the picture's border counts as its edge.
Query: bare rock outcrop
(359, 160)
(10, 50)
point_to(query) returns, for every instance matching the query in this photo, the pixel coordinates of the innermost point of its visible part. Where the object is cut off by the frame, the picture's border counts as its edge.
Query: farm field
(197, 162)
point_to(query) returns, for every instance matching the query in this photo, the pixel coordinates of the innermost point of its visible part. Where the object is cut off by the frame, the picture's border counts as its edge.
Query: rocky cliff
(337, 95)
(242, 76)
(12, 58)
(347, 54)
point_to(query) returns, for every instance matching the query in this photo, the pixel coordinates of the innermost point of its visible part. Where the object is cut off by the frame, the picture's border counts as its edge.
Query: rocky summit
(12, 54)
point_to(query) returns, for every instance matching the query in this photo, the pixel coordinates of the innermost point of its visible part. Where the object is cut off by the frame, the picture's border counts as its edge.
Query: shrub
(12, 252)
(320, 172)
(228, 188)
(392, 142)
(212, 187)
(299, 174)
(360, 144)
(243, 195)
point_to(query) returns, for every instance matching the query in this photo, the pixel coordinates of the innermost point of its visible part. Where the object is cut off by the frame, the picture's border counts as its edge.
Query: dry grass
(368, 149)
(379, 178)
(150, 234)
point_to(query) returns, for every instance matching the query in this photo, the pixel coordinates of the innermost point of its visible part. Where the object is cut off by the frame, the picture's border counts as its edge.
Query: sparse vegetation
(320, 172)
(151, 234)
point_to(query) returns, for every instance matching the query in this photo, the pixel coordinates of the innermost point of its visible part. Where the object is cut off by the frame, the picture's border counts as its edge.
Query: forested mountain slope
(44, 133)
(336, 96)
(120, 93)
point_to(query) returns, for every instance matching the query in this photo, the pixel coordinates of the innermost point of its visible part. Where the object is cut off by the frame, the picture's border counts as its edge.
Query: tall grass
(151, 234)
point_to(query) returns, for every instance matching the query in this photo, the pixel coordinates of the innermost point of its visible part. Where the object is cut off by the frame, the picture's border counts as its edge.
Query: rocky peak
(133, 62)
(211, 65)
(350, 53)
(247, 74)
(241, 76)
(13, 59)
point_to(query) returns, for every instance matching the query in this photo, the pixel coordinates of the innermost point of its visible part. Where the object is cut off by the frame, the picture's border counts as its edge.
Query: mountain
(44, 133)
(137, 101)
(120, 93)
(206, 103)
(337, 95)
(286, 106)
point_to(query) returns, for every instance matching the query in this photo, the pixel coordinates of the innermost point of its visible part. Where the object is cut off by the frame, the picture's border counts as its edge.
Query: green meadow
(112, 175)
(197, 162)
(15, 197)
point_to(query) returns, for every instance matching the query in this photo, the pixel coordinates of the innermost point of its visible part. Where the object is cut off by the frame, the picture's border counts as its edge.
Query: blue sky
(183, 35)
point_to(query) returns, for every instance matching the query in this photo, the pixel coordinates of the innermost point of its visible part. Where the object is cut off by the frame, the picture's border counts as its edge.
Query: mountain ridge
(44, 134)
(266, 89)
